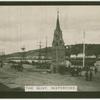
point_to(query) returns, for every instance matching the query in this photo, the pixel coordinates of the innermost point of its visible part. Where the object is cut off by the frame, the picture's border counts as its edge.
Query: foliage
(43, 65)
(79, 62)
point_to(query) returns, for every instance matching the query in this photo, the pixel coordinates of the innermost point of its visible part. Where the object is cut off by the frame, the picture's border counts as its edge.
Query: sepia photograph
(50, 48)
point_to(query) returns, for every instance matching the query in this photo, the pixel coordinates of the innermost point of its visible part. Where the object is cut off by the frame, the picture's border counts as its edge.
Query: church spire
(58, 24)
(58, 48)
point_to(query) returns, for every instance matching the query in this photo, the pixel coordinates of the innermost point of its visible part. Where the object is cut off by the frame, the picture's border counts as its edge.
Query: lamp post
(23, 54)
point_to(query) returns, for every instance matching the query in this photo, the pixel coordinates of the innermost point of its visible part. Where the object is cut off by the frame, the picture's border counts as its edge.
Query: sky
(26, 26)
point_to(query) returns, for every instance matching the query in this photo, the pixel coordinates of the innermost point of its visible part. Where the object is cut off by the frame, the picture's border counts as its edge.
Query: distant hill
(31, 53)
(91, 49)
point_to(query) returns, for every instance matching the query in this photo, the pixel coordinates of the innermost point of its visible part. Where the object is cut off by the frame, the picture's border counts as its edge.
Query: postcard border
(49, 94)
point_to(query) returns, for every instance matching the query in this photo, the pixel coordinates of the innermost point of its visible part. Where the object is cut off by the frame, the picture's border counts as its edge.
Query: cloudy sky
(27, 25)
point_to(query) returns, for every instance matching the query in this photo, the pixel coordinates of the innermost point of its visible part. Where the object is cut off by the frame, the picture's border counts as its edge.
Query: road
(17, 80)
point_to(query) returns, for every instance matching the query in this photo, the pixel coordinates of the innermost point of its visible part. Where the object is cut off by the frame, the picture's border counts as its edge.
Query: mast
(46, 56)
(39, 57)
(83, 49)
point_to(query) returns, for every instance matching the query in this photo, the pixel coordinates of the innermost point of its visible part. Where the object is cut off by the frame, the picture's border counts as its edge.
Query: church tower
(58, 48)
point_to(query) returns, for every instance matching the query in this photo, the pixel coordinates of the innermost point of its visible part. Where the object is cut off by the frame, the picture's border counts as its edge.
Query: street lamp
(23, 53)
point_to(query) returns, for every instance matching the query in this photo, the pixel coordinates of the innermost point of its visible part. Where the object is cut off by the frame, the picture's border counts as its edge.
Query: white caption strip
(50, 88)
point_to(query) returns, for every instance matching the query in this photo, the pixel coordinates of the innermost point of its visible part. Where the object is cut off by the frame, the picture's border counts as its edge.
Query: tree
(68, 51)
